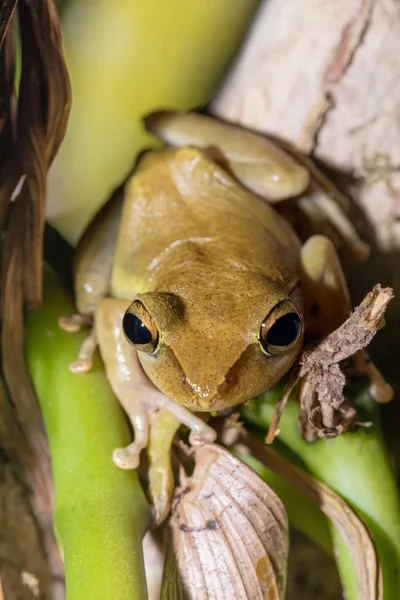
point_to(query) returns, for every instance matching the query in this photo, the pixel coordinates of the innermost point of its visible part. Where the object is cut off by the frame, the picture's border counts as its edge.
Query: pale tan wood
(325, 76)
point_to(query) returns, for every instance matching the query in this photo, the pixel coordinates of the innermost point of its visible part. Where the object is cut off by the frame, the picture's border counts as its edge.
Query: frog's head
(219, 349)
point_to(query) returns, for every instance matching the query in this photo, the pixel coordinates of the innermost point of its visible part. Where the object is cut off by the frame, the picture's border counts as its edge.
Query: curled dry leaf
(32, 128)
(7, 8)
(324, 411)
(351, 528)
(230, 531)
(43, 109)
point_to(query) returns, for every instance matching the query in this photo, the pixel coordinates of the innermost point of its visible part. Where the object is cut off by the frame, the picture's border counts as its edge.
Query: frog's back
(183, 213)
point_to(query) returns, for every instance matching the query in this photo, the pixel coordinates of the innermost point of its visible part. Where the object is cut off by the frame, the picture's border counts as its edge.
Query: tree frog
(199, 291)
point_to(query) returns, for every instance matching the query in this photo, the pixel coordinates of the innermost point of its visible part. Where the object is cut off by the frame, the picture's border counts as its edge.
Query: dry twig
(324, 412)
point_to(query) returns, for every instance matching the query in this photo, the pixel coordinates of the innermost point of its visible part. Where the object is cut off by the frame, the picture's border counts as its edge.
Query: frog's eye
(281, 329)
(139, 328)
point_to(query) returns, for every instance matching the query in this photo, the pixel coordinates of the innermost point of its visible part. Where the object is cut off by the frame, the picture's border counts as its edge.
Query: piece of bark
(294, 54)
(23, 564)
(333, 91)
(26, 524)
(324, 411)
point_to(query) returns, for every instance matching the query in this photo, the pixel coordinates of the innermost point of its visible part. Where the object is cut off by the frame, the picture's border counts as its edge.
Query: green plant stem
(100, 511)
(356, 466)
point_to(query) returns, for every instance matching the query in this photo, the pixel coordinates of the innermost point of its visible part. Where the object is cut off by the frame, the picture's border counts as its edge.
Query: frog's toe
(74, 323)
(80, 366)
(127, 458)
(85, 357)
(205, 435)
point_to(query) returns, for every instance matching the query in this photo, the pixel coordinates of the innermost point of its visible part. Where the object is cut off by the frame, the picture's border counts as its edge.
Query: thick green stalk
(356, 466)
(100, 511)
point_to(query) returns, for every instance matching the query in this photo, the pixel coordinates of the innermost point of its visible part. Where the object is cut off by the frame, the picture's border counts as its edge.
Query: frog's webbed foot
(84, 362)
(129, 457)
(155, 419)
(74, 324)
(142, 404)
(201, 433)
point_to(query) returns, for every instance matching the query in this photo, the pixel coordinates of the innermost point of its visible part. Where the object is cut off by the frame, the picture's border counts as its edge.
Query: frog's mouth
(249, 376)
(170, 378)
(224, 392)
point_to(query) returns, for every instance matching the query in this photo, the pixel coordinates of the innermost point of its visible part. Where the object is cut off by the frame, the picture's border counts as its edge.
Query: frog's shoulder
(179, 194)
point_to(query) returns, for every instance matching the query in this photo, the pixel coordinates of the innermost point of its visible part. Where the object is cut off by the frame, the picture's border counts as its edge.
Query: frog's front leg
(93, 262)
(136, 393)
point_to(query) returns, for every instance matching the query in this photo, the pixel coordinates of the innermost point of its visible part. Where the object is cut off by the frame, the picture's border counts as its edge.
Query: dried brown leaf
(7, 8)
(230, 531)
(29, 138)
(21, 549)
(355, 333)
(351, 528)
(43, 109)
(8, 177)
(324, 411)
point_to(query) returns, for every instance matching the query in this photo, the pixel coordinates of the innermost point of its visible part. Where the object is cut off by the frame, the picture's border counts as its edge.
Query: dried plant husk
(33, 123)
(7, 8)
(353, 531)
(324, 411)
(229, 531)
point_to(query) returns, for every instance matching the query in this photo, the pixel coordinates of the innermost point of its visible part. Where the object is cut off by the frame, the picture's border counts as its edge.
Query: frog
(199, 293)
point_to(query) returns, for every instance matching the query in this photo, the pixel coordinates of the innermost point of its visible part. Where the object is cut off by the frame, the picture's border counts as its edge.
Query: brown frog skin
(219, 271)
(199, 291)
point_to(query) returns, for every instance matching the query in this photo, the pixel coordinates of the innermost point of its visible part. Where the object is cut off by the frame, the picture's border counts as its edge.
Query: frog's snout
(211, 383)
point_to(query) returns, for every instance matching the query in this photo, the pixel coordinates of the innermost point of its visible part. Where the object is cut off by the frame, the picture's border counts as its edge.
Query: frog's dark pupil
(135, 330)
(285, 330)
